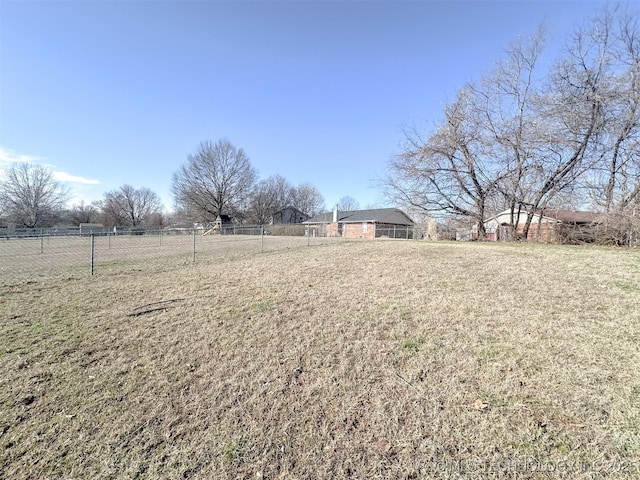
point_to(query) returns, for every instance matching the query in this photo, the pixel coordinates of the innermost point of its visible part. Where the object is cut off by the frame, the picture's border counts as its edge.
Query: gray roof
(571, 216)
(377, 215)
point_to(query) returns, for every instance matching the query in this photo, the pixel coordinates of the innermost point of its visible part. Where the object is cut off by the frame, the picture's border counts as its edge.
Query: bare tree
(156, 220)
(84, 213)
(348, 204)
(217, 179)
(450, 172)
(524, 139)
(614, 180)
(573, 111)
(269, 196)
(30, 196)
(178, 218)
(615, 177)
(559, 130)
(130, 207)
(308, 199)
(510, 121)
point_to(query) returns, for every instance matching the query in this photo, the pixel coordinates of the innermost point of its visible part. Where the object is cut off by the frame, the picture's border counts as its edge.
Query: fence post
(41, 241)
(407, 232)
(92, 252)
(194, 245)
(261, 238)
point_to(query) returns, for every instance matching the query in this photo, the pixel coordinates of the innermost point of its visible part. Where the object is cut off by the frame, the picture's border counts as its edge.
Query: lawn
(364, 360)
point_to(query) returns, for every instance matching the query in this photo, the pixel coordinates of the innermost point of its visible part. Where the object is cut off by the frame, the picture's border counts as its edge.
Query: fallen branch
(150, 310)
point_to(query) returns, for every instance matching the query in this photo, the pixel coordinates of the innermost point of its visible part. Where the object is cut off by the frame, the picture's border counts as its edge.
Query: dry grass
(351, 360)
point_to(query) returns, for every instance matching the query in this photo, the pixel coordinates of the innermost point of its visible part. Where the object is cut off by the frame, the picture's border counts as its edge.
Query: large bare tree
(30, 196)
(617, 143)
(509, 121)
(571, 112)
(526, 138)
(217, 179)
(268, 196)
(614, 180)
(130, 207)
(450, 172)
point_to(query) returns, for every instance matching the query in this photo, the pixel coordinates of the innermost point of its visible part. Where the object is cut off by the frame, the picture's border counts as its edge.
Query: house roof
(289, 207)
(570, 216)
(377, 215)
(563, 216)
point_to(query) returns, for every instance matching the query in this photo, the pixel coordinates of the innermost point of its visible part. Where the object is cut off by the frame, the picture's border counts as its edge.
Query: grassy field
(364, 360)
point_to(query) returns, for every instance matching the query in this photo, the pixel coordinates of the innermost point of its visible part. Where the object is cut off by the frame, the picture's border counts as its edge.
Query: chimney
(335, 214)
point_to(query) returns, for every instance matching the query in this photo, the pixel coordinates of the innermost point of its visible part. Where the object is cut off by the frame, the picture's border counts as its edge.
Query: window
(365, 225)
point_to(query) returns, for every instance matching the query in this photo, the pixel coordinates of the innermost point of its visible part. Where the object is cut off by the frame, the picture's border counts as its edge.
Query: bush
(619, 229)
(288, 230)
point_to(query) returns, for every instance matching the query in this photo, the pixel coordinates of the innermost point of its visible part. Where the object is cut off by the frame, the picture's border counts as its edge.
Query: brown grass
(349, 360)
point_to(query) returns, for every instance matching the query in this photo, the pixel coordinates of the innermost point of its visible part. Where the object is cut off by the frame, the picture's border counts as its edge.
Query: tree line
(216, 180)
(534, 134)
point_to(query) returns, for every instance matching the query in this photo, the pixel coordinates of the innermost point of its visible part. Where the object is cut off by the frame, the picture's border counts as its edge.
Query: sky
(107, 93)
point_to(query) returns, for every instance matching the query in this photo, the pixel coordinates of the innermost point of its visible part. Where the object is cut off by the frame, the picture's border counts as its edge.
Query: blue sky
(115, 92)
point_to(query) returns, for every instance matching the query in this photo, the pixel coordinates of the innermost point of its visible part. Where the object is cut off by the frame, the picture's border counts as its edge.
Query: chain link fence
(27, 254)
(400, 232)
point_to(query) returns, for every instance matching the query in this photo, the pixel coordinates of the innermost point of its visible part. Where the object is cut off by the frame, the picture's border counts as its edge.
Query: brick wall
(351, 230)
(333, 230)
(357, 230)
(539, 232)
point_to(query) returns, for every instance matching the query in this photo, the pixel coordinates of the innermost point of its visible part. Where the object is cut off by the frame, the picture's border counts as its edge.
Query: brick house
(552, 226)
(372, 223)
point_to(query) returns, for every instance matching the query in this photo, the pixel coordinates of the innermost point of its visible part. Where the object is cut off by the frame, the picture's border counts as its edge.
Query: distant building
(223, 220)
(550, 226)
(288, 215)
(372, 223)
